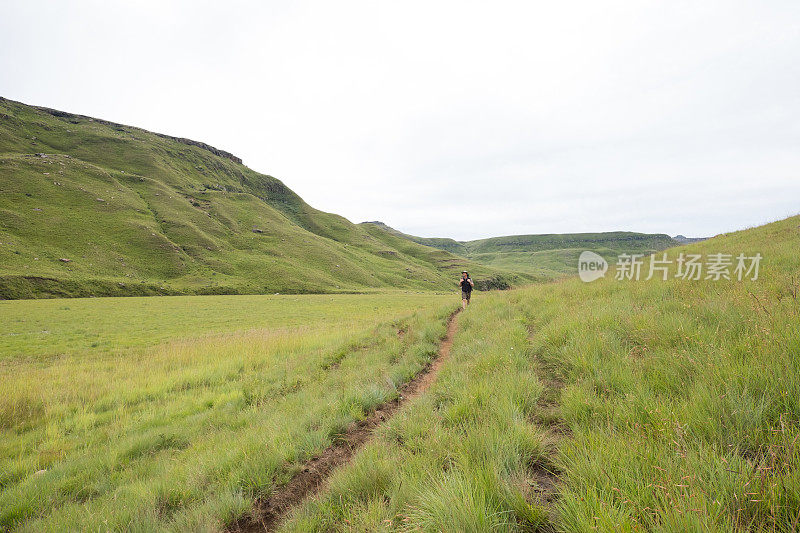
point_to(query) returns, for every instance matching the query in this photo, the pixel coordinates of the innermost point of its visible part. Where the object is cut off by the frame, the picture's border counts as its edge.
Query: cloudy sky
(460, 119)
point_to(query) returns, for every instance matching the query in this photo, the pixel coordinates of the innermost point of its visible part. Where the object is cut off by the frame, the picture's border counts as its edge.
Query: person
(466, 284)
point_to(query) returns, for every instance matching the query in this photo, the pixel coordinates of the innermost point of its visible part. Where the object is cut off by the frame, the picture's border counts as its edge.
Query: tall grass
(457, 459)
(680, 402)
(184, 434)
(682, 396)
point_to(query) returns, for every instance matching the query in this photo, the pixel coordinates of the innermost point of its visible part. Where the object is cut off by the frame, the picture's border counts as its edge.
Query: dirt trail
(267, 514)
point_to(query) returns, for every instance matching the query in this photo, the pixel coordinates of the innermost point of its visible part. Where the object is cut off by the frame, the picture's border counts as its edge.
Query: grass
(675, 408)
(658, 405)
(38, 329)
(682, 397)
(457, 460)
(181, 429)
(112, 210)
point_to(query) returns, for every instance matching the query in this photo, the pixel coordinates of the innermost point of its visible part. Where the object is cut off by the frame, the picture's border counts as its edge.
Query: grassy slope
(543, 256)
(181, 432)
(683, 397)
(139, 213)
(675, 407)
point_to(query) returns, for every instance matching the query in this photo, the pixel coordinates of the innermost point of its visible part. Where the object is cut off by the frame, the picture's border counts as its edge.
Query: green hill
(544, 256)
(91, 207)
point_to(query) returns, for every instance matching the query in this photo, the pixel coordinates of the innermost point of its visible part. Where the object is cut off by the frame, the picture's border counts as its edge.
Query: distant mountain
(544, 256)
(92, 207)
(688, 240)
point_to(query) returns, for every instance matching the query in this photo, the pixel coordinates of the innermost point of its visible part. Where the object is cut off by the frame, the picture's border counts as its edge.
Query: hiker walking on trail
(466, 285)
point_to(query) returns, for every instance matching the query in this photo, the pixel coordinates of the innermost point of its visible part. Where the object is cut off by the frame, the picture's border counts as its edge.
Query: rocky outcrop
(204, 146)
(682, 239)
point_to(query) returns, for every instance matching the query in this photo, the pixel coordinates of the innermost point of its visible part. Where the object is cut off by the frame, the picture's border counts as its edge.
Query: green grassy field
(143, 414)
(106, 209)
(615, 405)
(656, 405)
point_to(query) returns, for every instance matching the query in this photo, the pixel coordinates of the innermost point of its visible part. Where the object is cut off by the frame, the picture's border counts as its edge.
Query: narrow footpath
(268, 513)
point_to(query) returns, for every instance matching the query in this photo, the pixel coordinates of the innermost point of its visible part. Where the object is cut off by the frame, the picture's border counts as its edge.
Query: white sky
(460, 119)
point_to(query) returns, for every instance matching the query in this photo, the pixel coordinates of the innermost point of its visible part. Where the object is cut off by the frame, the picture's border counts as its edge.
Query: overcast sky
(459, 119)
